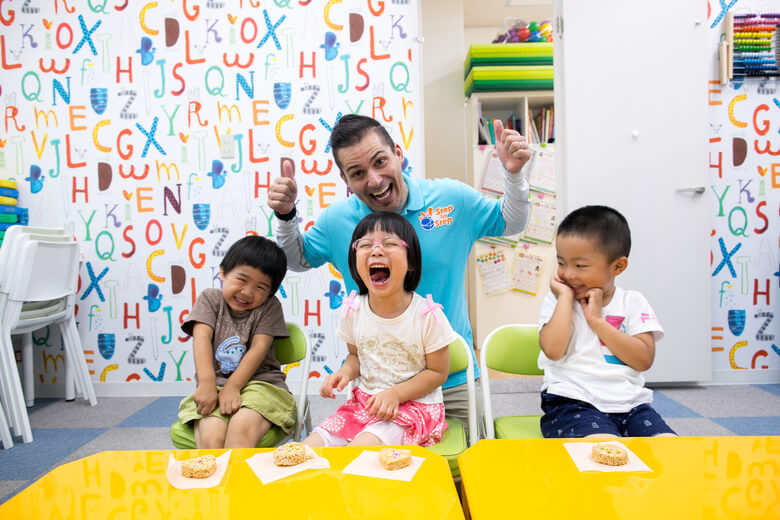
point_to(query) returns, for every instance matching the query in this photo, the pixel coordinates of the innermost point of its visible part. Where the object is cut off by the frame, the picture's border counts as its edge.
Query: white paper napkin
(580, 453)
(179, 482)
(265, 469)
(367, 464)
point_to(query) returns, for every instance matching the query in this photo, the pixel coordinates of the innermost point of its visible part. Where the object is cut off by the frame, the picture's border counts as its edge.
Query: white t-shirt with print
(392, 350)
(589, 371)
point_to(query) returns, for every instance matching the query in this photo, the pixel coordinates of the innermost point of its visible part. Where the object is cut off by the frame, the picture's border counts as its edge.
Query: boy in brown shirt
(241, 389)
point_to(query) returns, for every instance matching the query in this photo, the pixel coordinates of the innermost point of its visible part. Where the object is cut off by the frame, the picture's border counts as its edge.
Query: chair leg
(70, 383)
(17, 412)
(5, 432)
(28, 378)
(75, 357)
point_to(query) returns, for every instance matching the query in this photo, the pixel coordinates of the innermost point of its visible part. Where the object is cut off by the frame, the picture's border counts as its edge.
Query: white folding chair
(14, 236)
(43, 270)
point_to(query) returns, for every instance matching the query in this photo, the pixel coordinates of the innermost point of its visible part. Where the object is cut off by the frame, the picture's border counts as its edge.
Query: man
(447, 215)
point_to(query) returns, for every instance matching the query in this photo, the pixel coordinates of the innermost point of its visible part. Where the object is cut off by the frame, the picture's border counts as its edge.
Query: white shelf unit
(488, 312)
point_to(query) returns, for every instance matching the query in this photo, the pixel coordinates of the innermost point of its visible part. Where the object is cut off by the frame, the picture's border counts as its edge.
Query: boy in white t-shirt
(596, 338)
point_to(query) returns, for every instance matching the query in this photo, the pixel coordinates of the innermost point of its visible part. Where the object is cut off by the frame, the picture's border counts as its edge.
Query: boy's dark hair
(260, 253)
(351, 129)
(606, 227)
(390, 223)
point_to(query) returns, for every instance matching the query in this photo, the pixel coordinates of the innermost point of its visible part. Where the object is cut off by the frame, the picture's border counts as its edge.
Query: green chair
(453, 442)
(512, 349)
(289, 350)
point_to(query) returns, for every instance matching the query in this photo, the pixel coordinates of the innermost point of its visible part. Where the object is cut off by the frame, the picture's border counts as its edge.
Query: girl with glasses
(397, 341)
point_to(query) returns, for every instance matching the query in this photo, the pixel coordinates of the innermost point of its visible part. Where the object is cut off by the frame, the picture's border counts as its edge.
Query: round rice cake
(199, 467)
(395, 458)
(609, 454)
(290, 454)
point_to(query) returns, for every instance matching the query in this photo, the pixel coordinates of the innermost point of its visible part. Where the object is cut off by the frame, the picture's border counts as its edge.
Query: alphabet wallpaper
(152, 130)
(744, 162)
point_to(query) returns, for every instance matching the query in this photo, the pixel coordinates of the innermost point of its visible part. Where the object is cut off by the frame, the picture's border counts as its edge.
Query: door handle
(694, 189)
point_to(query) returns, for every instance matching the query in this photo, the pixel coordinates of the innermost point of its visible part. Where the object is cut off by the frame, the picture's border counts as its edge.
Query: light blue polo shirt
(448, 217)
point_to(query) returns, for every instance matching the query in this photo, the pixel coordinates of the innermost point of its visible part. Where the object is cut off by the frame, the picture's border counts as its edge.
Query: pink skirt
(424, 423)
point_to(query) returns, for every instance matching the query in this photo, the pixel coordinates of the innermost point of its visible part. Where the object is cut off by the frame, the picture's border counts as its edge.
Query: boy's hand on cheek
(591, 305)
(229, 400)
(384, 405)
(559, 287)
(205, 399)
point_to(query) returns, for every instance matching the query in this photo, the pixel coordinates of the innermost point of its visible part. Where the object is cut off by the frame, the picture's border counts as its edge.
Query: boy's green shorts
(274, 403)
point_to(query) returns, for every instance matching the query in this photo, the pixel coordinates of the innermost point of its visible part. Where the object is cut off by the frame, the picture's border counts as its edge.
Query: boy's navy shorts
(564, 417)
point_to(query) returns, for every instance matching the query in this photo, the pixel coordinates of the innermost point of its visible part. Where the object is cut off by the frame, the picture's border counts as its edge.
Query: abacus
(751, 47)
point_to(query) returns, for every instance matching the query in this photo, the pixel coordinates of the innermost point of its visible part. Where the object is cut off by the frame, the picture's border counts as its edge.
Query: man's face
(372, 170)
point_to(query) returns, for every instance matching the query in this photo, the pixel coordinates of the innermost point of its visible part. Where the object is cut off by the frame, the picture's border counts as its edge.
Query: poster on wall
(152, 130)
(744, 161)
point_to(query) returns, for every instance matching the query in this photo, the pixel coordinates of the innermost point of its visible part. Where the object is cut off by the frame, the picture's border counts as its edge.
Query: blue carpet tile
(162, 412)
(669, 408)
(750, 425)
(50, 446)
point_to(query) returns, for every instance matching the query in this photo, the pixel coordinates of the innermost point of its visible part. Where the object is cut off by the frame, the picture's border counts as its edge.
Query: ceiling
(492, 13)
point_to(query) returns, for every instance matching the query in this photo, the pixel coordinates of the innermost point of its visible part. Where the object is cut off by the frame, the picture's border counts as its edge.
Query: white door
(631, 121)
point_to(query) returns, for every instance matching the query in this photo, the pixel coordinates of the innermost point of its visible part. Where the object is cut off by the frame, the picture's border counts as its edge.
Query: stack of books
(511, 66)
(10, 213)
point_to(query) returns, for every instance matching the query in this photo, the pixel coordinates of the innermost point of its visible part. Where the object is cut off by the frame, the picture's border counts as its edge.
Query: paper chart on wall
(492, 175)
(527, 272)
(541, 218)
(493, 271)
(541, 172)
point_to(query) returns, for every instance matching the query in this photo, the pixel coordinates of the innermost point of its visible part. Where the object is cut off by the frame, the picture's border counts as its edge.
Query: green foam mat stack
(10, 213)
(508, 66)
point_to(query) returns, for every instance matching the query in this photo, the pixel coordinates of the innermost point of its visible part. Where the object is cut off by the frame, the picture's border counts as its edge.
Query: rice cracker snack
(199, 467)
(395, 458)
(290, 454)
(609, 454)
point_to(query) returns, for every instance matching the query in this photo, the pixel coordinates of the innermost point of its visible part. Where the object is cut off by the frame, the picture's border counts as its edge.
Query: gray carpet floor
(66, 431)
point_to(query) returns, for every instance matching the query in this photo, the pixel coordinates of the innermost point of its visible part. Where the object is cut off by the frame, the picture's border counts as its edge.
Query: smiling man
(447, 215)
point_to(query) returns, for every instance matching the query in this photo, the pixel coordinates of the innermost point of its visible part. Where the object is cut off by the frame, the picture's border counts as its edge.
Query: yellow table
(692, 478)
(125, 485)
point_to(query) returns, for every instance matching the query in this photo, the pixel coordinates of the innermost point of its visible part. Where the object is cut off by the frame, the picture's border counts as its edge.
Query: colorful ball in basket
(545, 30)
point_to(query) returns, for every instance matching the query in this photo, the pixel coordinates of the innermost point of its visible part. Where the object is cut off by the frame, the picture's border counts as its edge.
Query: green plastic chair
(512, 349)
(454, 442)
(288, 350)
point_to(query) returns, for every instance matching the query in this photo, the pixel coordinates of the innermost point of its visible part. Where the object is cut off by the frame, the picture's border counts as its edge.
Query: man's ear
(399, 152)
(619, 265)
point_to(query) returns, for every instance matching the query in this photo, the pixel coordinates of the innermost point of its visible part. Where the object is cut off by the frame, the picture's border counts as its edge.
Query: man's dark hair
(606, 227)
(390, 223)
(351, 129)
(260, 253)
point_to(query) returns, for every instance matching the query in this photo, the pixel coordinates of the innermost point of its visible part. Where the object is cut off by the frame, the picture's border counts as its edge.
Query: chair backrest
(291, 350)
(12, 240)
(513, 349)
(43, 270)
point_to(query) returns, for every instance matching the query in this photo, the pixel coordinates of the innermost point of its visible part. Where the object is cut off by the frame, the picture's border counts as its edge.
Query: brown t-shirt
(234, 331)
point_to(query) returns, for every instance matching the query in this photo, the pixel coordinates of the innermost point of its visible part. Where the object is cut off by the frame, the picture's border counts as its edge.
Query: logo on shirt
(229, 354)
(436, 217)
(617, 322)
